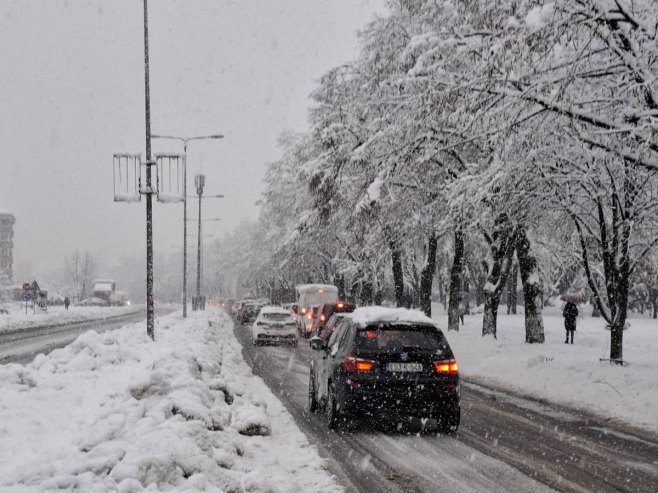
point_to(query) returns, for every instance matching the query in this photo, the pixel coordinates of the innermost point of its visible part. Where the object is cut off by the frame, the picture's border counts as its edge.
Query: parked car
(325, 312)
(385, 361)
(274, 324)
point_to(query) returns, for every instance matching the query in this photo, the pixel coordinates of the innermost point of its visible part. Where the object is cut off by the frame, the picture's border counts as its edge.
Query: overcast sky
(72, 94)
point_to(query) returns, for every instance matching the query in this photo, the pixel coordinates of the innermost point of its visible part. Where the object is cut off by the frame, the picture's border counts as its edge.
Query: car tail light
(341, 305)
(322, 318)
(303, 311)
(310, 316)
(446, 367)
(352, 363)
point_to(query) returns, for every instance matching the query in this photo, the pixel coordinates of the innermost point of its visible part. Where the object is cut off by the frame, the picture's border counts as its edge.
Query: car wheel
(333, 415)
(312, 396)
(449, 421)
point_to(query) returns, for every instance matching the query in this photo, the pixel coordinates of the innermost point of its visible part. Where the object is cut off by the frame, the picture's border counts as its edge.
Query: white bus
(311, 296)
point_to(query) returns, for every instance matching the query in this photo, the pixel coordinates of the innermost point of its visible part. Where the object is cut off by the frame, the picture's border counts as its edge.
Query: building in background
(7, 221)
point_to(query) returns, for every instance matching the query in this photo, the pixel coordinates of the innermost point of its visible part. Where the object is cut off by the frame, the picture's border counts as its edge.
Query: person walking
(570, 313)
(67, 302)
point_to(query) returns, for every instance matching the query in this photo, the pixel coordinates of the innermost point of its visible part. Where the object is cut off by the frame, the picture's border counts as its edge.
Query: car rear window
(389, 338)
(276, 316)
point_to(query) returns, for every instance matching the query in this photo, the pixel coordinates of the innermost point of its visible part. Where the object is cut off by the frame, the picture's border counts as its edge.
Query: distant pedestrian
(570, 313)
(67, 302)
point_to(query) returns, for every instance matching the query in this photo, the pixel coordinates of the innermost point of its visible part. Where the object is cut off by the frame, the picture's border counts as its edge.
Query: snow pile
(19, 320)
(569, 374)
(118, 412)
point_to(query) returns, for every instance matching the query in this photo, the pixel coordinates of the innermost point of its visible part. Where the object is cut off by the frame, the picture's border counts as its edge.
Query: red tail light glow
(303, 311)
(447, 367)
(352, 363)
(322, 318)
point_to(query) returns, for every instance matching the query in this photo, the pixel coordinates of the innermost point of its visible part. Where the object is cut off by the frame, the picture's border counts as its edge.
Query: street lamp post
(150, 318)
(185, 140)
(199, 182)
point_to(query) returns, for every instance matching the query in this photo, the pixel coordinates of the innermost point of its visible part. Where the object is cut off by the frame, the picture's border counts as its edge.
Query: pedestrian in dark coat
(570, 313)
(67, 302)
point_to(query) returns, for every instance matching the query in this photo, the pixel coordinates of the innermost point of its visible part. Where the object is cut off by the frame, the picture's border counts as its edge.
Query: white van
(312, 296)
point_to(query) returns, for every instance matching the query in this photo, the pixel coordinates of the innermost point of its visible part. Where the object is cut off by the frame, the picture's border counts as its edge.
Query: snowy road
(505, 443)
(22, 347)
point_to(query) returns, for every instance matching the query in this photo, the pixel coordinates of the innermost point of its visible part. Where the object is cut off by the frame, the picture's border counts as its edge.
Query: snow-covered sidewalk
(569, 374)
(118, 412)
(17, 319)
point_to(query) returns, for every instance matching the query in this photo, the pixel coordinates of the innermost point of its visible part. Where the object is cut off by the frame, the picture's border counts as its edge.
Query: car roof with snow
(370, 315)
(274, 309)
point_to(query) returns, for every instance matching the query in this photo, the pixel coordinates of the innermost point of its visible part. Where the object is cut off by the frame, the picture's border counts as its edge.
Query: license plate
(401, 367)
(277, 326)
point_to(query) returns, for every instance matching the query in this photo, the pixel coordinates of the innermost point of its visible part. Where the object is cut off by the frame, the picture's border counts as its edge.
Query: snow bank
(18, 319)
(570, 374)
(118, 412)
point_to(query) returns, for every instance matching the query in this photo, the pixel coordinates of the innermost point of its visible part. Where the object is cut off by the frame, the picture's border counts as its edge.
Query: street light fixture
(185, 140)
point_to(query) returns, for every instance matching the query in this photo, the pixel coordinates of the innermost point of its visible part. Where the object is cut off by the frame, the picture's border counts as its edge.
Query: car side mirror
(317, 343)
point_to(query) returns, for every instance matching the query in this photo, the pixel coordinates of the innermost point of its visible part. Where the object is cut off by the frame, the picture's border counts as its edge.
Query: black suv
(391, 361)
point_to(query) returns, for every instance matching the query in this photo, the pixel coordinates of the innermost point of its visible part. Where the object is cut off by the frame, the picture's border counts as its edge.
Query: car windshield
(388, 338)
(276, 316)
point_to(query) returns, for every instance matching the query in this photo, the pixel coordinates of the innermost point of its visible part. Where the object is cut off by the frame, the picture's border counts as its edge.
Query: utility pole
(185, 228)
(150, 320)
(199, 181)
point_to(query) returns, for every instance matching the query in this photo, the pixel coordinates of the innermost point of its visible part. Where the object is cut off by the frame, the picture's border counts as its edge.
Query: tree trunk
(479, 295)
(442, 295)
(455, 280)
(502, 245)
(340, 284)
(366, 293)
(532, 290)
(490, 313)
(466, 292)
(616, 341)
(398, 277)
(596, 311)
(427, 276)
(511, 290)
